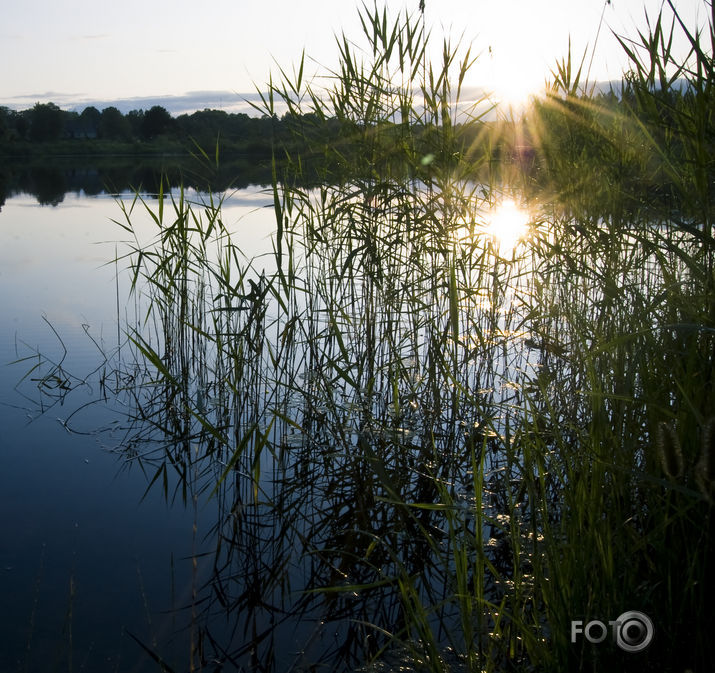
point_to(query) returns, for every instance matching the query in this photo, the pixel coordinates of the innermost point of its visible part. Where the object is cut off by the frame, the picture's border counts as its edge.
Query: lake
(116, 554)
(88, 553)
(338, 423)
(442, 400)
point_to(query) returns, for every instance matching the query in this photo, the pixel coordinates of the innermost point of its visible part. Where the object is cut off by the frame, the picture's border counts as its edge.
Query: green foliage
(113, 125)
(156, 121)
(89, 122)
(46, 122)
(650, 143)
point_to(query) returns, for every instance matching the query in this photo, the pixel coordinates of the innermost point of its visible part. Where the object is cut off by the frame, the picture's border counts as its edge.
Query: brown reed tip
(705, 467)
(671, 454)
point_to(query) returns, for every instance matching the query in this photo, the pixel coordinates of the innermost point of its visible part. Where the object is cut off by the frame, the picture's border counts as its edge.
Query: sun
(513, 68)
(514, 82)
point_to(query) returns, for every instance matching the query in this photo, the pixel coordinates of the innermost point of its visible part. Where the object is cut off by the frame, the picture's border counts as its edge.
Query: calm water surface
(87, 554)
(114, 551)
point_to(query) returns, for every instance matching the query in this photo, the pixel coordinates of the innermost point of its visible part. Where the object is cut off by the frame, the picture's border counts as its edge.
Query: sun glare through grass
(515, 88)
(508, 224)
(513, 72)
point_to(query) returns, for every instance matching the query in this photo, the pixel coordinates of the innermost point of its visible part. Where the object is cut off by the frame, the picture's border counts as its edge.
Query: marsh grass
(426, 451)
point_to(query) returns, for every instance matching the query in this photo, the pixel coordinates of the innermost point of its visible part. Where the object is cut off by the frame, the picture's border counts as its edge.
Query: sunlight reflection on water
(508, 224)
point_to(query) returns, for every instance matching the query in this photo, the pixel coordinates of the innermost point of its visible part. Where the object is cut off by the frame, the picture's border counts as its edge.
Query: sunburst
(508, 224)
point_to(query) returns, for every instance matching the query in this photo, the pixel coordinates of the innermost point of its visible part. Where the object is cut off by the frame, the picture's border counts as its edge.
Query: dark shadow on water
(50, 179)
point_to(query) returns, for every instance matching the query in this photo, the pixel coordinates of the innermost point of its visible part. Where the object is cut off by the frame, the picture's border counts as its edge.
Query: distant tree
(71, 125)
(22, 123)
(157, 121)
(240, 124)
(204, 128)
(46, 122)
(113, 125)
(136, 122)
(4, 121)
(89, 122)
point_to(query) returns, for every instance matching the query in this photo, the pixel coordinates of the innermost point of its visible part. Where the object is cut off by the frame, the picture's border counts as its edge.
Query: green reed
(447, 450)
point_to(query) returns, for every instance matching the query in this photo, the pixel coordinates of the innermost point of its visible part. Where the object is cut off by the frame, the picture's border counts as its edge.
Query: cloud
(98, 36)
(230, 101)
(24, 101)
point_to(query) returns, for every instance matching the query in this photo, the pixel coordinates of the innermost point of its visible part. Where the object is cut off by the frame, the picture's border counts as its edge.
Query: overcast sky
(214, 53)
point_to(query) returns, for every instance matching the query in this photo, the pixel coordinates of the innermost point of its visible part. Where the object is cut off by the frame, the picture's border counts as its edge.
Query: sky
(188, 55)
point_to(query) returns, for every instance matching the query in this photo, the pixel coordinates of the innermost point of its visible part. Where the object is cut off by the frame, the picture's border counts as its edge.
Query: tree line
(47, 124)
(46, 129)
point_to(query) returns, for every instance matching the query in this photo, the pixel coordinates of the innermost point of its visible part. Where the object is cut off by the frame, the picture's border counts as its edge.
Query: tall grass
(427, 451)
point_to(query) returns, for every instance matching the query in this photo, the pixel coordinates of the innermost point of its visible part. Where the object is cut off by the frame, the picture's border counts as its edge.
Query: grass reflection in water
(415, 444)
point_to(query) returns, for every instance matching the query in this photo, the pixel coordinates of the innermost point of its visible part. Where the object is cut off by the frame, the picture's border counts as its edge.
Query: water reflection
(334, 475)
(50, 180)
(78, 536)
(508, 223)
(371, 443)
(342, 456)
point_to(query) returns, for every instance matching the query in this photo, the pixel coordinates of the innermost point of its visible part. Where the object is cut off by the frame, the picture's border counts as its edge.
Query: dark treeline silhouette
(47, 129)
